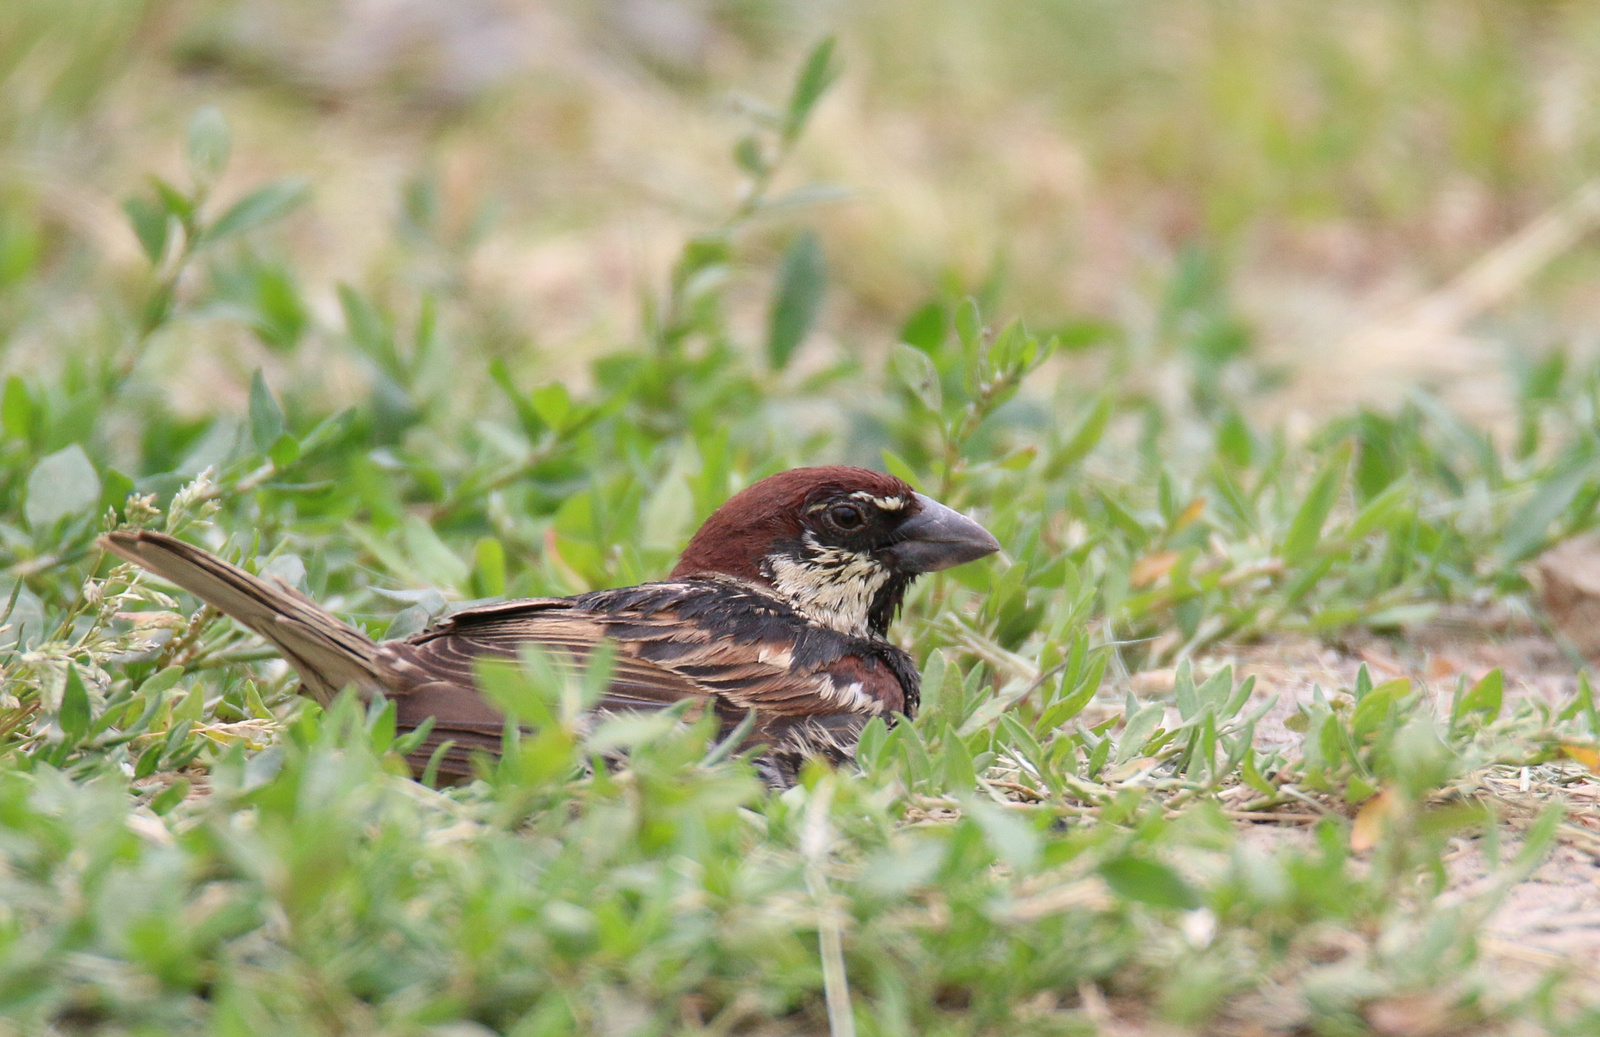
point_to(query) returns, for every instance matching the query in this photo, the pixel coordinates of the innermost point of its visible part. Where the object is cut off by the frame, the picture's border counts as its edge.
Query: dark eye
(846, 516)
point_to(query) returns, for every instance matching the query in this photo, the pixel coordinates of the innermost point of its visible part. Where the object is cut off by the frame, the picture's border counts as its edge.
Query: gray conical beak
(937, 537)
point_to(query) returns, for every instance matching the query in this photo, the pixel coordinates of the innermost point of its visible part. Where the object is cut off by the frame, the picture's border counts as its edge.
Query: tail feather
(328, 653)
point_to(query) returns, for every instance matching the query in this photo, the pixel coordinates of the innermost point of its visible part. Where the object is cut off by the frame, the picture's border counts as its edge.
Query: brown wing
(434, 673)
(663, 656)
(446, 654)
(665, 651)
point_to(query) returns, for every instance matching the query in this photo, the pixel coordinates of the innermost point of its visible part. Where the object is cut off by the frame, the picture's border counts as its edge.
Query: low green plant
(189, 847)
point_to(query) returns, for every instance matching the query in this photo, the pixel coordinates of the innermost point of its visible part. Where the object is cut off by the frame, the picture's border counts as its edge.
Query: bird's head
(839, 544)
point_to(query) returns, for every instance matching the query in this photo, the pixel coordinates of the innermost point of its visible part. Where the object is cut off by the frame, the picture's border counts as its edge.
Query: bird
(778, 610)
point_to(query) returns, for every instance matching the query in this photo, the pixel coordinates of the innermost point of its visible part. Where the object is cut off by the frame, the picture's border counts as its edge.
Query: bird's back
(714, 640)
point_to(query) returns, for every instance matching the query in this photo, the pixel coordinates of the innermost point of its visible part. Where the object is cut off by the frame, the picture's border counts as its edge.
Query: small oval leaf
(260, 207)
(74, 715)
(796, 299)
(1148, 882)
(62, 484)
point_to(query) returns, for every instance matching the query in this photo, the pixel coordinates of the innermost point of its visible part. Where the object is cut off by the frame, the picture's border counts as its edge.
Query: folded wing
(671, 642)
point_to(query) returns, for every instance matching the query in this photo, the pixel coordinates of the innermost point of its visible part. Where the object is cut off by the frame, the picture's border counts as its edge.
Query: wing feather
(671, 643)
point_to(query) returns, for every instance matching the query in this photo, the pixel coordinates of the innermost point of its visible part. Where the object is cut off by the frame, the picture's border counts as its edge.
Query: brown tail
(328, 653)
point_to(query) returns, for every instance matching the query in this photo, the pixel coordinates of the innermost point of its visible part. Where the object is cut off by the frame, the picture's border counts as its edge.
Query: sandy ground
(1549, 922)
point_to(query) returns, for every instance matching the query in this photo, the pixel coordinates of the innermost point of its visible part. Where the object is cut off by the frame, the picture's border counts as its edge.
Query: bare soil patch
(1549, 922)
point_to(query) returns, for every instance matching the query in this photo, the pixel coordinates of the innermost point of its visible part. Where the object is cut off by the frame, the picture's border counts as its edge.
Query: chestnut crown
(840, 544)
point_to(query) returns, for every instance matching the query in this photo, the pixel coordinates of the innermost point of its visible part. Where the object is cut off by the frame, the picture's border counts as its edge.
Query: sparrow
(779, 608)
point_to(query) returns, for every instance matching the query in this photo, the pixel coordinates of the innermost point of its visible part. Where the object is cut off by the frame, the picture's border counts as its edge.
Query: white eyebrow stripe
(886, 503)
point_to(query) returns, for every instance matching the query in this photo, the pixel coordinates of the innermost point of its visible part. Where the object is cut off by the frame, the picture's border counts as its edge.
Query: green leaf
(1073, 700)
(1306, 530)
(114, 489)
(1140, 727)
(16, 409)
(434, 559)
(1020, 738)
(1422, 761)
(747, 153)
(1251, 776)
(1084, 438)
(381, 725)
(151, 225)
(1235, 446)
(62, 484)
(156, 309)
(1013, 840)
(149, 761)
(280, 316)
(1583, 704)
(284, 451)
(969, 323)
(162, 803)
(1183, 691)
(1528, 529)
(1485, 697)
(1148, 882)
(1359, 790)
(871, 742)
(74, 715)
(173, 200)
(596, 678)
(1018, 459)
(667, 517)
(525, 689)
(1382, 511)
(500, 374)
(189, 711)
(365, 325)
(489, 567)
(552, 403)
(926, 328)
(912, 367)
(1215, 691)
(328, 430)
(210, 142)
(161, 681)
(1539, 838)
(266, 418)
(1123, 519)
(959, 774)
(260, 207)
(796, 299)
(816, 75)
(1373, 708)
(698, 256)
(407, 743)
(804, 197)
(21, 615)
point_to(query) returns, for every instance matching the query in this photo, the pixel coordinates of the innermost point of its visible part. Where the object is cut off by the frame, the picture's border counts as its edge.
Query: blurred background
(1368, 196)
